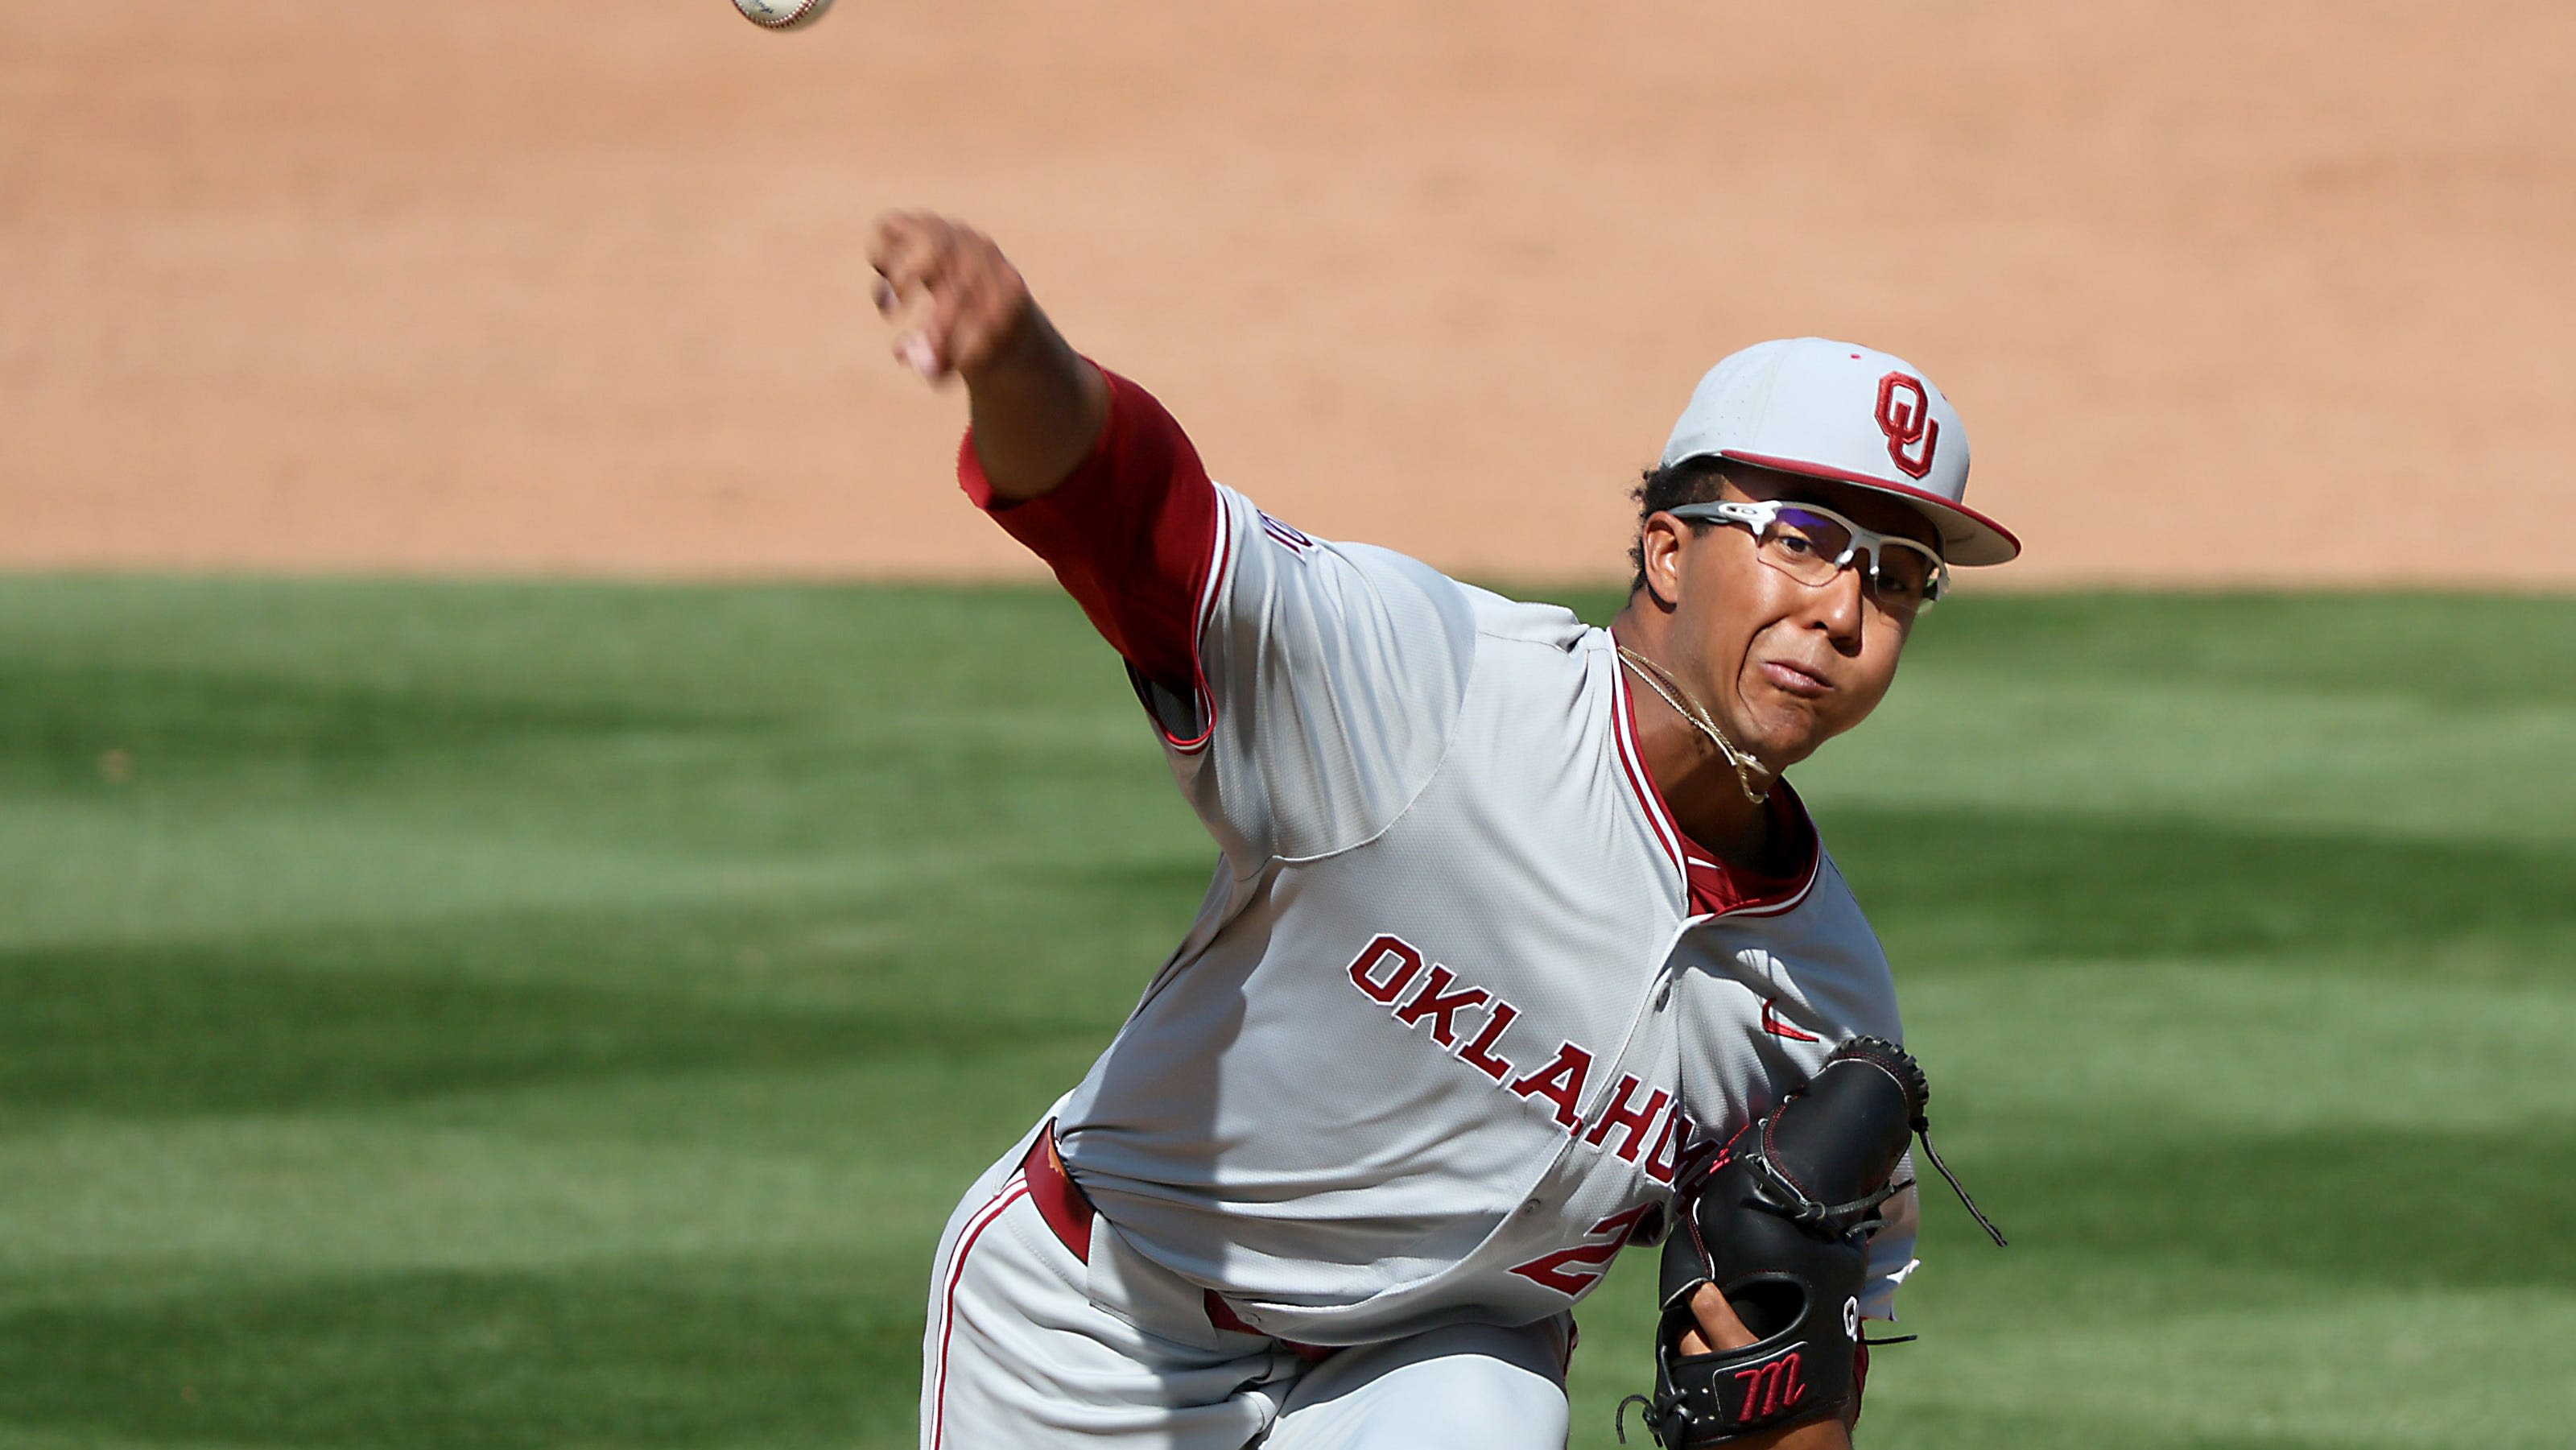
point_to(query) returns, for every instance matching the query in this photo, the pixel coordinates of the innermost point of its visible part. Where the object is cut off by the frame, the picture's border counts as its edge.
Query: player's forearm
(1035, 409)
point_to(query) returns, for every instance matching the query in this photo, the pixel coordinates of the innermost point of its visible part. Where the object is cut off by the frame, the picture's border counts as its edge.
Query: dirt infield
(2223, 290)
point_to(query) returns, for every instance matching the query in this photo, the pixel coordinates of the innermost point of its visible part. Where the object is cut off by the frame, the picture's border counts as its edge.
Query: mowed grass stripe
(2140, 884)
(528, 1014)
(738, 1354)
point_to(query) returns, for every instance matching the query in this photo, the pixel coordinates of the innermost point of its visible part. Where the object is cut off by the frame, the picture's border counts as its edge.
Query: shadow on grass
(59, 718)
(2402, 1209)
(1977, 886)
(346, 1021)
(502, 1360)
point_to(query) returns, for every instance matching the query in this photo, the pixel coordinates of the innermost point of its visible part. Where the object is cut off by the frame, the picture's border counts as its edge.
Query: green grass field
(535, 1016)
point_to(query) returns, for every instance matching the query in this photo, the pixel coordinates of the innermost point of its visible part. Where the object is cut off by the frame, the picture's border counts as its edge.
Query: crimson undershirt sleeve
(1129, 533)
(1304, 690)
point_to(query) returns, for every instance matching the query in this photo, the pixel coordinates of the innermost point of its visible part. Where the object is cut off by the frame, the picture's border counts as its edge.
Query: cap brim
(1968, 538)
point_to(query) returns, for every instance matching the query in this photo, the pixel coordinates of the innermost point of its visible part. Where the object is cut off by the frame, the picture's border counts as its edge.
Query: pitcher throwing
(1515, 919)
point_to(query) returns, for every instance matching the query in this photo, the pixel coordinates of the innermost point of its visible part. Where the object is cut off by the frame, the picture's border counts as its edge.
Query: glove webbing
(1905, 1069)
(1795, 1204)
(1782, 1196)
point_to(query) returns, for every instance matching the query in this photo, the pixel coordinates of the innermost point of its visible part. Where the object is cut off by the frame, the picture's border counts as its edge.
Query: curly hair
(1693, 480)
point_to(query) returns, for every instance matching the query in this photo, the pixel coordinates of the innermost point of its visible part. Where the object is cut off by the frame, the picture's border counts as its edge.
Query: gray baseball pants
(1031, 1346)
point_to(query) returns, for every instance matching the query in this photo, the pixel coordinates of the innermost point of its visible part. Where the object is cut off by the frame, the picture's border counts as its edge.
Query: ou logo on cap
(1851, 1320)
(1905, 416)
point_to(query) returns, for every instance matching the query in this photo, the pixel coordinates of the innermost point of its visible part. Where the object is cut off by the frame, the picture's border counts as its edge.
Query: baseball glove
(1781, 1223)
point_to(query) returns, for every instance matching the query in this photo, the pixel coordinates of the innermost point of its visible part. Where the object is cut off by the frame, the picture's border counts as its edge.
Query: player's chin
(1791, 729)
(1781, 743)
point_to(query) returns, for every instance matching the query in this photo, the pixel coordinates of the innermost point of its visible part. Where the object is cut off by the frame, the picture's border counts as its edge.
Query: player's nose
(1839, 607)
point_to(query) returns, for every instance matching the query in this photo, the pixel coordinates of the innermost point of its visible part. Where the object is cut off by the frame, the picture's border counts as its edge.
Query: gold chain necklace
(1674, 695)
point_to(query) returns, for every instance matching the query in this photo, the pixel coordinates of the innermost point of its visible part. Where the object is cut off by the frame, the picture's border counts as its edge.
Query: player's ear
(1660, 541)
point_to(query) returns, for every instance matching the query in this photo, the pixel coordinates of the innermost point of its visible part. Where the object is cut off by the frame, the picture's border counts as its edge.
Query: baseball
(782, 14)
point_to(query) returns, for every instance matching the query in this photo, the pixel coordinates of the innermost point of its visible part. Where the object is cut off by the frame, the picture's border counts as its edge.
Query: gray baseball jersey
(1462, 1004)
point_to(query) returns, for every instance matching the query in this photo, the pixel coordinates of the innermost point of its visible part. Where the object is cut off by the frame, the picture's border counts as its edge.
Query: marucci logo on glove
(1771, 1389)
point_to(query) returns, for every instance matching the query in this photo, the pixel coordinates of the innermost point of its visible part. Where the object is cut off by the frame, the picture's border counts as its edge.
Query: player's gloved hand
(1780, 1224)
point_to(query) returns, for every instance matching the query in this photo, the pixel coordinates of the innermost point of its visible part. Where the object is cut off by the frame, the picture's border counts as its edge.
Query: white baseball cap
(1844, 412)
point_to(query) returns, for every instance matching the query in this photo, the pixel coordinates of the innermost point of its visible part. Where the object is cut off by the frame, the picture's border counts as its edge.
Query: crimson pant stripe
(1012, 1192)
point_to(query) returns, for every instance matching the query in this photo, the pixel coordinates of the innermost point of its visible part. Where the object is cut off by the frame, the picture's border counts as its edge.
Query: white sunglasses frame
(1762, 513)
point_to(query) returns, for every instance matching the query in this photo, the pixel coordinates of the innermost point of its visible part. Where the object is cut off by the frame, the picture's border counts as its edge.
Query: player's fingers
(914, 273)
(990, 314)
(890, 238)
(1718, 1326)
(969, 296)
(894, 231)
(911, 254)
(976, 318)
(914, 351)
(929, 346)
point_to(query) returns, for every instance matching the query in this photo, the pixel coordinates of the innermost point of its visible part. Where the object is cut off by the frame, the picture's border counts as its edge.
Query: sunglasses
(1812, 545)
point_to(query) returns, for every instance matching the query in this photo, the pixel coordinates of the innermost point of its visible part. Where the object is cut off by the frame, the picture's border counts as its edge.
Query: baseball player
(1514, 919)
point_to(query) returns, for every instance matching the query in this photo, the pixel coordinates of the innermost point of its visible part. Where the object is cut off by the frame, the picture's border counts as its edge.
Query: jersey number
(1572, 1271)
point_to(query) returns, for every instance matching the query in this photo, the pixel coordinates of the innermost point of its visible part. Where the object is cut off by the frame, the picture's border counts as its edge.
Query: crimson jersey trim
(1632, 764)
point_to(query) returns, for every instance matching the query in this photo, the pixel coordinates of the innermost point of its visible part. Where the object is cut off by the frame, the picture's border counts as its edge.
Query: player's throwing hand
(958, 303)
